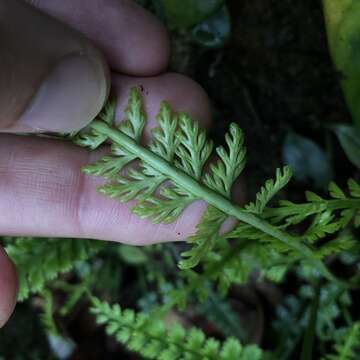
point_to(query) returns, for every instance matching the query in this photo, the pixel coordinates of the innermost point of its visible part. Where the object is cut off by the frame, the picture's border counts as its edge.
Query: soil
(275, 74)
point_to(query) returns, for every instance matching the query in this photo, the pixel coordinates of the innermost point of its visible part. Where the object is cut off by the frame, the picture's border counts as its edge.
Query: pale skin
(42, 190)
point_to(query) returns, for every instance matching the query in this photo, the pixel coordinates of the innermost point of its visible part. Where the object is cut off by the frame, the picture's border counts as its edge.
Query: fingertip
(187, 95)
(182, 93)
(8, 287)
(151, 54)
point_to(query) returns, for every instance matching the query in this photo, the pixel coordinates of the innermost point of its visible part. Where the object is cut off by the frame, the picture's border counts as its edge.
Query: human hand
(53, 79)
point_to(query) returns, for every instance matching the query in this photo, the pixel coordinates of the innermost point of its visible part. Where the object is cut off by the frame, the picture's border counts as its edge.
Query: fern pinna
(170, 174)
(149, 337)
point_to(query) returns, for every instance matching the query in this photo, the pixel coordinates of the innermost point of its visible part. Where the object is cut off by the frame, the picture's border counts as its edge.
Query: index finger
(133, 40)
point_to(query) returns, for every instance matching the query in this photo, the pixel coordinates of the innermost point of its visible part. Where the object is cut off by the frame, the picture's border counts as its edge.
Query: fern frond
(219, 311)
(93, 139)
(165, 141)
(322, 225)
(269, 190)
(75, 292)
(230, 165)
(47, 315)
(63, 345)
(204, 239)
(165, 209)
(193, 149)
(354, 188)
(41, 260)
(333, 300)
(169, 175)
(329, 215)
(180, 142)
(336, 192)
(150, 337)
(109, 166)
(341, 243)
(134, 122)
(228, 265)
(138, 184)
(347, 345)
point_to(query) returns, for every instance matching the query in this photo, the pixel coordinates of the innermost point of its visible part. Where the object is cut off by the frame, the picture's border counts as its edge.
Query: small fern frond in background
(347, 345)
(40, 260)
(47, 315)
(152, 339)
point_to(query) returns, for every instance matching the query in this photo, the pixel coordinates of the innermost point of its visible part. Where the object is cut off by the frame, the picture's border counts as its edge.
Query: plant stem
(309, 336)
(201, 191)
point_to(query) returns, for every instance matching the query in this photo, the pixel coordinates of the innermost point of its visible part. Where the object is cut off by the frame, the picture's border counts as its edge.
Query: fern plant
(41, 260)
(347, 345)
(170, 174)
(150, 338)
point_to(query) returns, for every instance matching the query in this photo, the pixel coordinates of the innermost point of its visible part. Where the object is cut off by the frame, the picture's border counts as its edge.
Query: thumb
(51, 77)
(8, 287)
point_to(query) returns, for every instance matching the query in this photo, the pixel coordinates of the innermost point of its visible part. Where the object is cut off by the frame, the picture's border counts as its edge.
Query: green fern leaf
(94, 139)
(47, 315)
(134, 122)
(165, 209)
(354, 188)
(204, 239)
(41, 260)
(336, 192)
(226, 170)
(109, 166)
(193, 148)
(338, 245)
(322, 225)
(269, 190)
(149, 336)
(138, 184)
(165, 141)
(347, 345)
(168, 175)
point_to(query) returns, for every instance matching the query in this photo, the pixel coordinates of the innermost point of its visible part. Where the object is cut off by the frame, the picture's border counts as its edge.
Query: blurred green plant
(309, 162)
(343, 28)
(208, 21)
(349, 138)
(190, 13)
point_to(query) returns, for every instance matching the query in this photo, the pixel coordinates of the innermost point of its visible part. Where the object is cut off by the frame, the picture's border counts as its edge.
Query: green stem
(201, 191)
(309, 336)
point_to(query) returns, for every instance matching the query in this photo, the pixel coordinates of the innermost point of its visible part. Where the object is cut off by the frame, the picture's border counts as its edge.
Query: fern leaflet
(41, 260)
(150, 337)
(347, 345)
(269, 190)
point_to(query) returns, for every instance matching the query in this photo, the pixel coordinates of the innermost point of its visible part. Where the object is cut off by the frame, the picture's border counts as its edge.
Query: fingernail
(71, 95)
